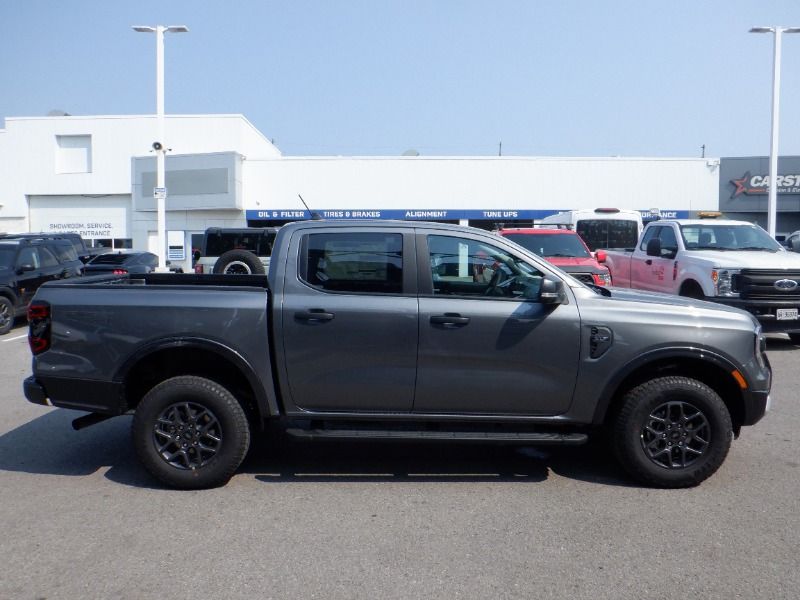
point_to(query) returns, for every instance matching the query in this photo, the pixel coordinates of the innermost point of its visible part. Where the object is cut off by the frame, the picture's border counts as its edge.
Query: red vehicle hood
(562, 261)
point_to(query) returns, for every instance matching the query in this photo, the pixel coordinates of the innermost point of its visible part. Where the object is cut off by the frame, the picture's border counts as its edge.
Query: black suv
(25, 264)
(85, 253)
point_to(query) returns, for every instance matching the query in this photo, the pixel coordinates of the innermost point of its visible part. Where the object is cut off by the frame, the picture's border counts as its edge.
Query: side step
(572, 439)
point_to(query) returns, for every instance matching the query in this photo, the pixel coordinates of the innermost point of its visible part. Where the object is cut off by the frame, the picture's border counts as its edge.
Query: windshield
(727, 237)
(608, 233)
(7, 254)
(551, 244)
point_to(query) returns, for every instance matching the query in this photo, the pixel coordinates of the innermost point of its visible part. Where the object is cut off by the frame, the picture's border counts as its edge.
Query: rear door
(349, 320)
(487, 343)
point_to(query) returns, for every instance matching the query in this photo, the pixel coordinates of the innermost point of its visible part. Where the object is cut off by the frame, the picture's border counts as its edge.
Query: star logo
(741, 185)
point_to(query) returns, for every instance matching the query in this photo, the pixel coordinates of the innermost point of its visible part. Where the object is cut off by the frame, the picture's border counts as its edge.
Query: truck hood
(746, 259)
(659, 302)
(575, 263)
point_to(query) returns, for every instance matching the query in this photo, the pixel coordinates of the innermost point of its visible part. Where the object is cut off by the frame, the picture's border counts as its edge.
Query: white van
(600, 227)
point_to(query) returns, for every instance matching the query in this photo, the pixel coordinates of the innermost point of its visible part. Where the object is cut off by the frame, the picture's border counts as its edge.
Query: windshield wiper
(758, 248)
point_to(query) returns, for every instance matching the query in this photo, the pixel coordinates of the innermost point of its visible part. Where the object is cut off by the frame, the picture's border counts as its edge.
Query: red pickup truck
(565, 249)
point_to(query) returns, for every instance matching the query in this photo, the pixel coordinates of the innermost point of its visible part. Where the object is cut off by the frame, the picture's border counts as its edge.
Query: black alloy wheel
(187, 435)
(190, 433)
(672, 432)
(676, 435)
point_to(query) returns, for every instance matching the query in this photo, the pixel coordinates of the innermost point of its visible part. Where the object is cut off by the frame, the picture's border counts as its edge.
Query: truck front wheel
(6, 315)
(190, 433)
(672, 432)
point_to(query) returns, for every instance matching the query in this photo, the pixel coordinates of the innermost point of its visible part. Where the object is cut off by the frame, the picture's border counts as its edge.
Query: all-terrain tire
(190, 433)
(672, 432)
(239, 262)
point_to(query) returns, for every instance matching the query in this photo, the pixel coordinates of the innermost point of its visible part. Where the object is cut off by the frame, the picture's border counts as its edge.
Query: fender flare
(266, 402)
(698, 353)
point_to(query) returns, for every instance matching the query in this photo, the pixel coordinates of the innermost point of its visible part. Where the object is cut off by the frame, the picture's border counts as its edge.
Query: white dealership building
(96, 174)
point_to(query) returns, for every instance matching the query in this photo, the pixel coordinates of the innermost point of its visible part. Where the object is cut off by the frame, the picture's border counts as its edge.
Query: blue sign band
(284, 214)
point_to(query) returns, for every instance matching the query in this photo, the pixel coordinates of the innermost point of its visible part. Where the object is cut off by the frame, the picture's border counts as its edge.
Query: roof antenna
(314, 215)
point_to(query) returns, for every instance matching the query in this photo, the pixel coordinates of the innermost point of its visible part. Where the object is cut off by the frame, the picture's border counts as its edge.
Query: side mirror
(654, 247)
(795, 245)
(601, 256)
(552, 291)
(25, 268)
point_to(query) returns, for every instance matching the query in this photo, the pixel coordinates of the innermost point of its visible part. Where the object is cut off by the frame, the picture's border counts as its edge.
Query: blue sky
(444, 77)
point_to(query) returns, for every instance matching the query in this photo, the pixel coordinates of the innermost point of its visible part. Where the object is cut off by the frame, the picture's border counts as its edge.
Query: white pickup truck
(730, 262)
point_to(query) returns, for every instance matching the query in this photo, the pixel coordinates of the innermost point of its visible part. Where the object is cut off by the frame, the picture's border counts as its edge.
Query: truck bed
(97, 336)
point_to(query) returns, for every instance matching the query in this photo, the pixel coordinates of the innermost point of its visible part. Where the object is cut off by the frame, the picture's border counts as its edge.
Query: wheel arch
(165, 359)
(691, 285)
(710, 368)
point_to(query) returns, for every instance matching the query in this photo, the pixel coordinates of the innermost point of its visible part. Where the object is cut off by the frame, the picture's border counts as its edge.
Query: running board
(572, 439)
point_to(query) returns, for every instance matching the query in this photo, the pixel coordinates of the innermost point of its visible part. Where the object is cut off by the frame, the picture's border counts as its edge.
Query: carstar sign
(759, 184)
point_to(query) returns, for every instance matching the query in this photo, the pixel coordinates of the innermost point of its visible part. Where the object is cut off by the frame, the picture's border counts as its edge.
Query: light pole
(159, 146)
(772, 202)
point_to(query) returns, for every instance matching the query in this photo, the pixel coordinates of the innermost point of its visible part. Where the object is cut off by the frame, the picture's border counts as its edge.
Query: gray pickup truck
(398, 330)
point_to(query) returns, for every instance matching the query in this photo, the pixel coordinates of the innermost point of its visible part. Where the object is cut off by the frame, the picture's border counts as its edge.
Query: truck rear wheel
(672, 432)
(190, 433)
(239, 262)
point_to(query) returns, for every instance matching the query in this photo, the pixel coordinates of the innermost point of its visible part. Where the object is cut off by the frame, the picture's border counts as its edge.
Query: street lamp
(772, 203)
(159, 146)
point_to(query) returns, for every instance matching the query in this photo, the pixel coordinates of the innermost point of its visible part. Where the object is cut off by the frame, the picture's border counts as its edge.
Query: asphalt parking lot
(81, 519)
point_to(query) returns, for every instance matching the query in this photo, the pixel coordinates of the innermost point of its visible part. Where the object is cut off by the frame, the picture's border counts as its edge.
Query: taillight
(198, 268)
(120, 272)
(38, 326)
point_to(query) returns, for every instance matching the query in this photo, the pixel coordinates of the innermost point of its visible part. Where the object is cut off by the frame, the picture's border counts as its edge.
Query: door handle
(449, 319)
(314, 314)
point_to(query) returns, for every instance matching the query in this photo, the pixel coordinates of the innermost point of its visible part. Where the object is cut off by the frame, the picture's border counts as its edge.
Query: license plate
(786, 314)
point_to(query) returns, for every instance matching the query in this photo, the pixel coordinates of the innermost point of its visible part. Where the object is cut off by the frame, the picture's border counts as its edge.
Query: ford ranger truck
(380, 330)
(729, 262)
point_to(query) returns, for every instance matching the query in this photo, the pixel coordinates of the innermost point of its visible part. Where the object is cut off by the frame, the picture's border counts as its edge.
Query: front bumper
(765, 311)
(755, 407)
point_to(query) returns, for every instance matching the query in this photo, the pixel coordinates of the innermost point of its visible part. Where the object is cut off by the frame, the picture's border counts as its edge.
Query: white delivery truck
(600, 227)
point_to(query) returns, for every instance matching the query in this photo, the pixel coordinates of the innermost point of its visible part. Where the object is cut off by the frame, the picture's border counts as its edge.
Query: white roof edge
(146, 116)
(502, 158)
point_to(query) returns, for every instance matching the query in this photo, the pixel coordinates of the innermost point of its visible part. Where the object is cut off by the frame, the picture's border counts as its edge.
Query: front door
(486, 343)
(349, 321)
(655, 273)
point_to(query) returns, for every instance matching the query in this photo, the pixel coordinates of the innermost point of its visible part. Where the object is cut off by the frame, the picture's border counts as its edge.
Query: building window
(73, 154)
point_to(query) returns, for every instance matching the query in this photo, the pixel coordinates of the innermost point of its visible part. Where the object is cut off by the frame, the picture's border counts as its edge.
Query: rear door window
(353, 262)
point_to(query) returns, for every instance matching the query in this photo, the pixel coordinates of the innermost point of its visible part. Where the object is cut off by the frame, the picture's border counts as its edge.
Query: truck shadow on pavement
(289, 461)
(779, 343)
(48, 445)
